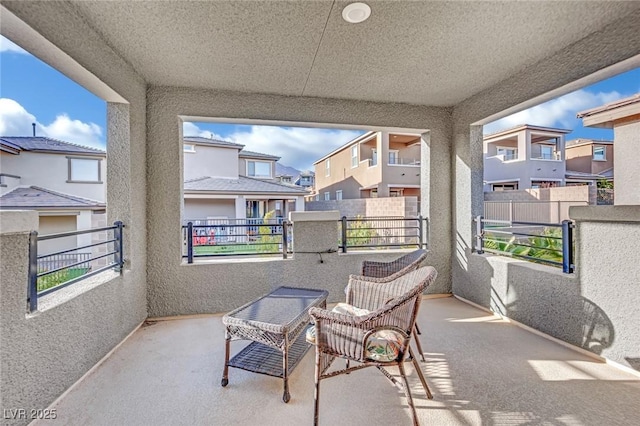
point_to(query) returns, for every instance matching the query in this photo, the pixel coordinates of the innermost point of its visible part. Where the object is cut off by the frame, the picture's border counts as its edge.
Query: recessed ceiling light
(356, 13)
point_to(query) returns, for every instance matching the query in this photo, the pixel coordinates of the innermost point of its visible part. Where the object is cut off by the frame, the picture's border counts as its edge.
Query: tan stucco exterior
(372, 168)
(580, 157)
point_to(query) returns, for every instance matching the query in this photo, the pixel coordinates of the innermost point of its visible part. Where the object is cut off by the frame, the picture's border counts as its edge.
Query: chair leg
(316, 395)
(407, 391)
(417, 329)
(418, 345)
(420, 375)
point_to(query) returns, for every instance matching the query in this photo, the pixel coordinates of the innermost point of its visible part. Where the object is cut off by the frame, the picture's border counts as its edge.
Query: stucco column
(627, 158)
(383, 149)
(241, 207)
(468, 202)
(315, 232)
(299, 204)
(435, 201)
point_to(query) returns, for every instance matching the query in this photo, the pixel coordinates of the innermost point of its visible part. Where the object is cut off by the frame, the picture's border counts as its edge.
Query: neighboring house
(64, 182)
(376, 164)
(291, 175)
(305, 179)
(224, 181)
(588, 159)
(623, 116)
(524, 157)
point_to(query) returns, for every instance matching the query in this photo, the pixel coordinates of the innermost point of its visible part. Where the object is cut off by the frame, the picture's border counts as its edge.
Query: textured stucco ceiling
(431, 53)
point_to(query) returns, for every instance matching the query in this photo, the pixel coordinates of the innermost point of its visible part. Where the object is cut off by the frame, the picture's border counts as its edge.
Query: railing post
(344, 234)
(420, 232)
(479, 235)
(567, 247)
(285, 232)
(189, 242)
(119, 256)
(32, 291)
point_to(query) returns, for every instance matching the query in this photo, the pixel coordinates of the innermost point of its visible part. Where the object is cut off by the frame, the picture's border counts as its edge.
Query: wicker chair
(388, 271)
(350, 337)
(401, 265)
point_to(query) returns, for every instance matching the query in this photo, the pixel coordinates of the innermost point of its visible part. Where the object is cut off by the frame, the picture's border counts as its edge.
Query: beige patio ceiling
(433, 53)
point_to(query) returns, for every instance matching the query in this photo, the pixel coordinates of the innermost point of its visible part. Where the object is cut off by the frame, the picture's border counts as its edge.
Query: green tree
(360, 233)
(267, 242)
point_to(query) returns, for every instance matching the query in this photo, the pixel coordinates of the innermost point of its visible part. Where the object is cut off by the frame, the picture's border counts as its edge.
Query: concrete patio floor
(482, 371)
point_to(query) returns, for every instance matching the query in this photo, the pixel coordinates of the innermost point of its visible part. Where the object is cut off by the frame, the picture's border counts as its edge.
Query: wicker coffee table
(276, 324)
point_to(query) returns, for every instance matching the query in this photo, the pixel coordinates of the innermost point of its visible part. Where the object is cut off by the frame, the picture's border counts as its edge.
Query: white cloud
(15, 120)
(559, 112)
(298, 147)
(7, 45)
(190, 129)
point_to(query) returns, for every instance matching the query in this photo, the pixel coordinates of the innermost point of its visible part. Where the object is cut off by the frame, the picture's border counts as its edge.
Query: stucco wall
(42, 355)
(202, 209)
(211, 161)
(230, 283)
(626, 172)
(51, 171)
(167, 278)
(389, 206)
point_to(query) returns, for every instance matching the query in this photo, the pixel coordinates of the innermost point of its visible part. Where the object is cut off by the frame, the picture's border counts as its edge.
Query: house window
(546, 152)
(374, 193)
(374, 157)
(599, 153)
(339, 194)
(354, 156)
(327, 196)
(317, 197)
(393, 157)
(261, 169)
(508, 153)
(189, 147)
(327, 167)
(84, 170)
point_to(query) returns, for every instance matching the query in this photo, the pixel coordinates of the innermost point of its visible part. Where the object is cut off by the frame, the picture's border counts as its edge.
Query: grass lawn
(228, 248)
(58, 278)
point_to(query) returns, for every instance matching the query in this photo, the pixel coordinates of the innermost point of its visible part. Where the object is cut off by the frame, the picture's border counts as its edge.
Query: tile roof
(252, 154)
(40, 143)
(209, 141)
(242, 184)
(37, 197)
(611, 105)
(582, 141)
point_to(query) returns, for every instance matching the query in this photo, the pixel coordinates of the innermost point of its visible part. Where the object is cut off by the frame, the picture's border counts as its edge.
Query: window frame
(604, 153)
(396, 153)
(513, 151)
(327, 196)
(338, 194)
(69, 167)
(191, 150)
(270, 176)
(327, 167)
(354, 156)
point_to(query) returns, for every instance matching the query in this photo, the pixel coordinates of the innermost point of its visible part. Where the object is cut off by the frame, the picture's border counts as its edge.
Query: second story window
(599, 153)
(546, 152)
(508, 153)
(327, 167)
(354, 156)
(189, 147)
(260, 169)
(393, 157)
(84, 170)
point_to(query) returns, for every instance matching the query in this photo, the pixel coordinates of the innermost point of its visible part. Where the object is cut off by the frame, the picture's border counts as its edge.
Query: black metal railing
(236, 237)
(380, 232)
(54, 271)
(548, 243)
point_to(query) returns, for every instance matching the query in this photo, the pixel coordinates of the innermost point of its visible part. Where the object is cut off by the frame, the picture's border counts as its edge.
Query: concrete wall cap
(605, 213)
(14, 221)
(318, 216)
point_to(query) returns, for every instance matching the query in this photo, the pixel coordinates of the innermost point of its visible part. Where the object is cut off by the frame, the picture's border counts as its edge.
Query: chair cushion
(383, 346)
(340, 308)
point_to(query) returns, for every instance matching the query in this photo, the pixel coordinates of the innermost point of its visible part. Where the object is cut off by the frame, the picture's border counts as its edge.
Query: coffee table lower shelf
(262, 359)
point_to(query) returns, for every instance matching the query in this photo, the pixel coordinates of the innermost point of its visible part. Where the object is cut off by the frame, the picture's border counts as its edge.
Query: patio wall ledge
(605, 213)
(16, 221)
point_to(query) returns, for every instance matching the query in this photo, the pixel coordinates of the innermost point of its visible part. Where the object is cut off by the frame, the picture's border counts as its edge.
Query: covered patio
(438, 69)
(481, 368)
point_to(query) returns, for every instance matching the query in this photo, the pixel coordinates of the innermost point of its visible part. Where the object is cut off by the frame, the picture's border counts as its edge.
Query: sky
(31, 91)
